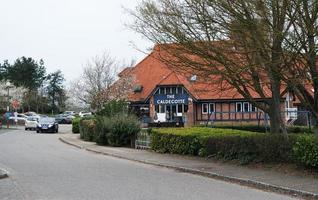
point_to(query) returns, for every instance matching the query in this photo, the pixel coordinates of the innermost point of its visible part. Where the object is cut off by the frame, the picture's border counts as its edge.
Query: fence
(295, 121)
(143, 139)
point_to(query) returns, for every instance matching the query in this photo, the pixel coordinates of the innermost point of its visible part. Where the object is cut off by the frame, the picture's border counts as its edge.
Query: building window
(157, 108)
(205, 108)
(161, 90)
(238, 107)
(174, 90)
(162, 109)
(180, 110)
(179, 90)
(253, 108)
(246, 107)
(211, 108)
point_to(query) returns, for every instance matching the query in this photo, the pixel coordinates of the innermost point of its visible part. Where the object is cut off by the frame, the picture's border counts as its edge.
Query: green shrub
(259, 148)
(123, 127)
(225, 144)
(306, 151)
(88, 129)
(103, 129)
(75, 125)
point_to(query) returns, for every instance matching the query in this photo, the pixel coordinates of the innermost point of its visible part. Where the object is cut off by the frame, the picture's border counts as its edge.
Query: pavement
(43, 168)
(294, 185)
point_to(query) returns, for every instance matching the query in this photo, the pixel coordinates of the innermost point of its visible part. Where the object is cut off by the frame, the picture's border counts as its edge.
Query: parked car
(64, 119)
(20, 117)
(47, 124)
(85, 114)
(69, 113)
(32, 114)
(31, 123)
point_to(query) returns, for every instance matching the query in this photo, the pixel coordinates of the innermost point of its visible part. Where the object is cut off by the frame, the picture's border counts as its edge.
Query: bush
(306, 151)
(225, 144)
(75, 125)
(258, 148)
(88, 129)
(116, 130)
(187, 140)
(103, 129)
(123, 127)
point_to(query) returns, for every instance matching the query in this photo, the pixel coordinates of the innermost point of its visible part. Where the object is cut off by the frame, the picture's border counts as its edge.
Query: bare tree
(98, 74)
(302, 42)
(98, 83)
(240, 41)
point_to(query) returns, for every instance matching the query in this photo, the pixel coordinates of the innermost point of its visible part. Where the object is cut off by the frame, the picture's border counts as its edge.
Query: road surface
(41, 167)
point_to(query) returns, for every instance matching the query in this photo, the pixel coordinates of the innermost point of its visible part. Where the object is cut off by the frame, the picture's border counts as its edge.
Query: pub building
(162, 95)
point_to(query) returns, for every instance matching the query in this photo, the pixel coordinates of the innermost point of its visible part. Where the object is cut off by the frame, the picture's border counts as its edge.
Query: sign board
(171, 99)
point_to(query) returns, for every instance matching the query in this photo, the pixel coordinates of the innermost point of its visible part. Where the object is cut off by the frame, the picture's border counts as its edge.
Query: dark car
(64, 119)
(47, 125)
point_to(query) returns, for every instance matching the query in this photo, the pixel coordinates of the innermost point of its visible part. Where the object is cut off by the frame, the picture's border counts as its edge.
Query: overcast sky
(66, 33)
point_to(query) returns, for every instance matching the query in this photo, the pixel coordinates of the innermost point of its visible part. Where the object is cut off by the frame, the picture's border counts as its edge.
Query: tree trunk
(277, 125)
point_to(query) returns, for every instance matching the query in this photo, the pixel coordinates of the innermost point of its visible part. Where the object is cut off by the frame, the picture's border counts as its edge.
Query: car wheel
(57, 131)
(26, 129)
(37, 131)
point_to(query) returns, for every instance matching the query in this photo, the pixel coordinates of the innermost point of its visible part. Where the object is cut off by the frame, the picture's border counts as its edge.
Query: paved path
(42, 167)
(267, 179)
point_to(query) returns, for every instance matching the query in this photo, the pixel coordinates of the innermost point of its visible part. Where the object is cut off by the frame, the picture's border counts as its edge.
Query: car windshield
(47, 120)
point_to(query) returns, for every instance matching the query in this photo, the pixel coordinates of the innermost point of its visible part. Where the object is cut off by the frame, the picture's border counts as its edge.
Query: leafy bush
(187, 140)
(103, 129)
(225, 144)
(306, 151)
(75, 125)
(260, 148)
(88, 129)
(116, 130)
(122, 129)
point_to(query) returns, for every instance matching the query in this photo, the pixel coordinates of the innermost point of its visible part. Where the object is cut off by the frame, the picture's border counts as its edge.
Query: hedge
(239, 145)
(75, 125)
(88, 129)
(306, 151)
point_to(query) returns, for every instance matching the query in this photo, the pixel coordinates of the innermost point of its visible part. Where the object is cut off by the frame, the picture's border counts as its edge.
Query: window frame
(210, 108)
(248, 106)
(236, 107)
(207, 108)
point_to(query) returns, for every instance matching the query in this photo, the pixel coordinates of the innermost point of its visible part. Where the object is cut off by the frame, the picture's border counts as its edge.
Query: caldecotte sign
(171, 99)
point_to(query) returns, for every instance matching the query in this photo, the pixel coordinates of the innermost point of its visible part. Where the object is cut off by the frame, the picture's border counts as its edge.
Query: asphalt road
(42, 167)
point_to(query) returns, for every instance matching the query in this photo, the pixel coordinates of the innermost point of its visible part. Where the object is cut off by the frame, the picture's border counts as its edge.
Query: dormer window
(194, 78)
(138, 88)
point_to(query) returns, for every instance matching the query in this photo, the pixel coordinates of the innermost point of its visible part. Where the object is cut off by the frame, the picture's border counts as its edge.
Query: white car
(84, 114)
(19, 117)
(31, 123)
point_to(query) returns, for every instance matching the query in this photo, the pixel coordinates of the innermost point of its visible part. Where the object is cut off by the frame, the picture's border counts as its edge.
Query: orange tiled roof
(152, 72)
